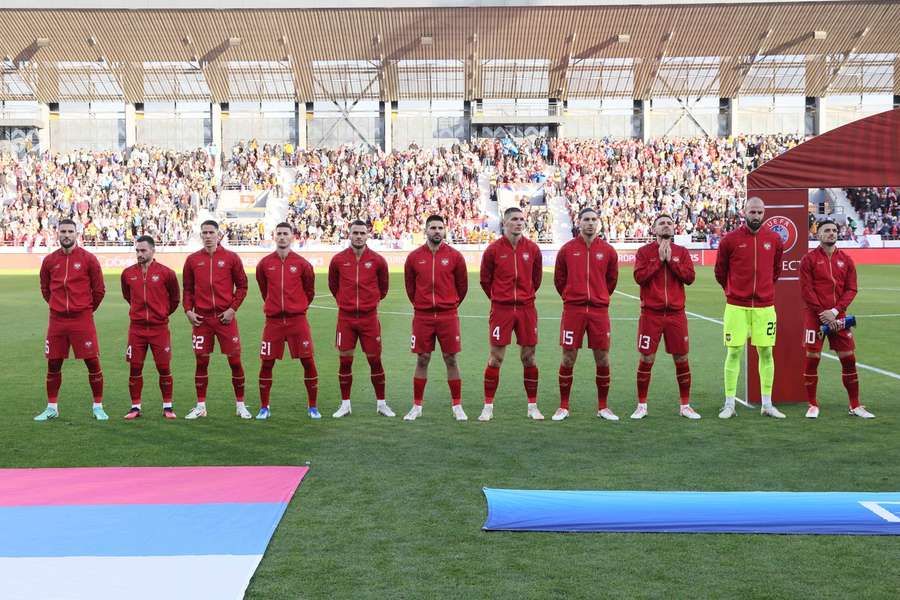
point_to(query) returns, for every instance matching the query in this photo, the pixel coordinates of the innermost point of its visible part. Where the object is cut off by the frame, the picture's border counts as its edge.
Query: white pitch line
(825, 354)
(874, 316)
(687, 312)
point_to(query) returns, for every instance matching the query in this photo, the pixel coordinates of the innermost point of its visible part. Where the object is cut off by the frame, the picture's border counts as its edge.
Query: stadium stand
(116, 197)
(879, 209)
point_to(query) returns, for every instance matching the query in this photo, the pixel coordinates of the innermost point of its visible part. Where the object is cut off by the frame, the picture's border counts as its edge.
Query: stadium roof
(258, 51)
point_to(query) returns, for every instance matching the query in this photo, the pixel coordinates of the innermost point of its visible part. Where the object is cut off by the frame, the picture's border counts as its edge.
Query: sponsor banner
(113, 261)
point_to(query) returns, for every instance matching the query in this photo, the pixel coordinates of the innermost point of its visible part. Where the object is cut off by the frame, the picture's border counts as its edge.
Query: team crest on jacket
(293, 268)
(154, 278)
(786, 230)
(221, 263)
(526, 256)
(77, 266)
(840, 264)
(445, 261)
(767, 245)
(599, 256)
(676, 259)
(368, 264)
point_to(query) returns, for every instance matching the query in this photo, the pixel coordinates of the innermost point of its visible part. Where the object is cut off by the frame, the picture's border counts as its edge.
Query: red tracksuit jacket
(748, 265)
(358, 285)
(213, 284)
(435, 281)
(827, 283)
(662, 283)
(153, 295)
(511, 275)
(287, 286)
(72, 283)
(586, 276)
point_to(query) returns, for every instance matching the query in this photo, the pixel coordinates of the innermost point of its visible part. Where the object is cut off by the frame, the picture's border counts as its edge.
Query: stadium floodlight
(623, 38)
(234, 41)
(819, 34)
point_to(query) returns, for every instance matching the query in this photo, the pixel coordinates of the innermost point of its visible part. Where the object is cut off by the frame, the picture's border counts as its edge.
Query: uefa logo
(785, 229)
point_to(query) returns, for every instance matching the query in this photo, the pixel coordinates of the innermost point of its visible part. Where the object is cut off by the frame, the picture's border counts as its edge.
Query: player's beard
(830, 243)
(66, 243)
(754, 225)
(666, 236)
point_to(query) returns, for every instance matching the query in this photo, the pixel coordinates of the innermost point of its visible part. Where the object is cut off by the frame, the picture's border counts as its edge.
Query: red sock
(201, 377)
(136, 383)
(530, 378)
(565, 386)
(95, 378)
(165, 383)
(311, 379)
(237, 377)
(683, 377)
(602, 380)
(455, 391)
(491, 380)
(811, 379)
(265, 382)
(345, 376)
(419, 390)
(377, 376)
(54, 379)
(644, 371)
(850, 379)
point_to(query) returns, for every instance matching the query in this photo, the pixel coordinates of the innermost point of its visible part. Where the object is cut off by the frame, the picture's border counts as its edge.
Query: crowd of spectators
(392, 192)
(113, 197)
(117, 196)
(879, 208)
(699, 181)
(252, 166)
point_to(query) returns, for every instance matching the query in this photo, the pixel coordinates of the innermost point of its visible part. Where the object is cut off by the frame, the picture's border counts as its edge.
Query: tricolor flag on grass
(146, 532)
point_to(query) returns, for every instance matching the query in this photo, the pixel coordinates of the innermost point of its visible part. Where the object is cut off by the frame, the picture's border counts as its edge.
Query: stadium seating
(879, 209)
(117, 196)
(112, 196)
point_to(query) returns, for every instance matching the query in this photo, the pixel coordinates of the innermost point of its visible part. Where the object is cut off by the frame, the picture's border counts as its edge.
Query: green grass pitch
(393, 509)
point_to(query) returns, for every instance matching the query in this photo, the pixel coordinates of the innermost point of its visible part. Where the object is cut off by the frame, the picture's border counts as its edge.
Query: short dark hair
(586, 210)
(146, 238)
(433, 218)
(359, 223)
(825, 222)
(209, 222)
(285, 224)
(66, 222)
(661, 216)
(511, 210)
